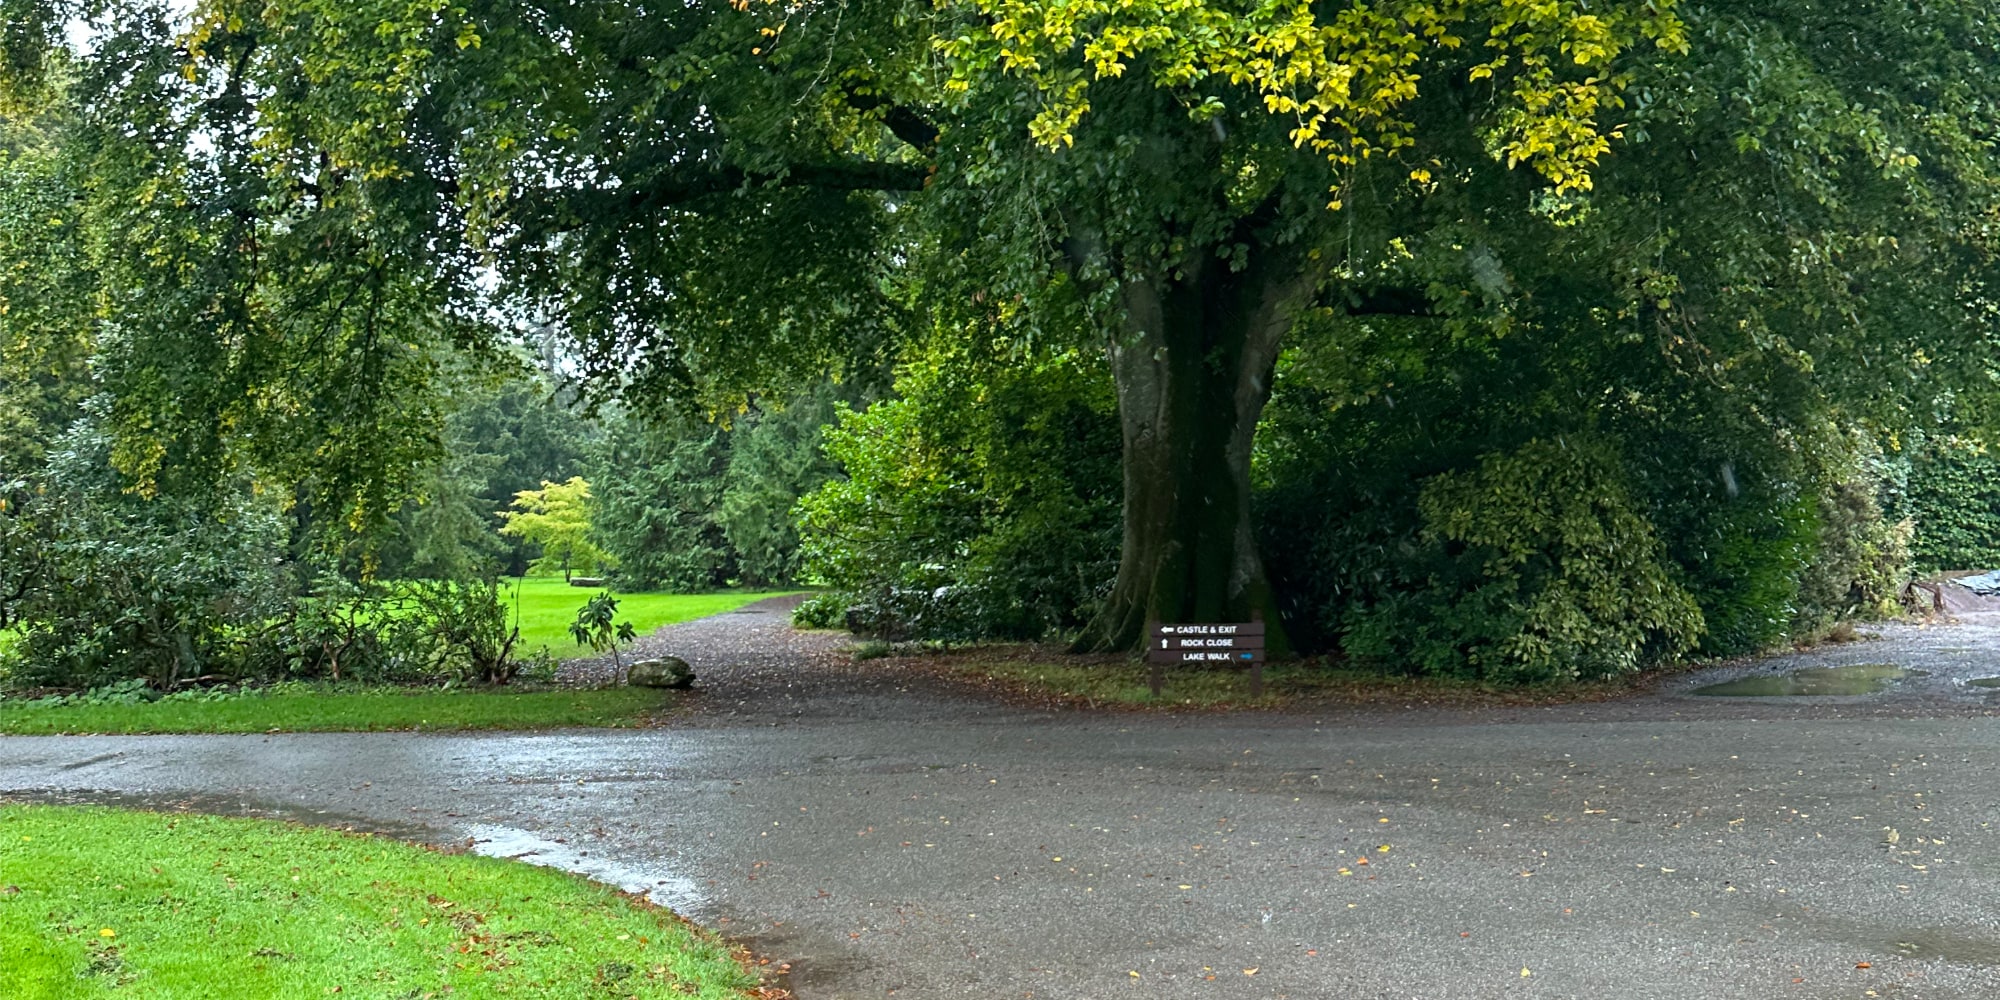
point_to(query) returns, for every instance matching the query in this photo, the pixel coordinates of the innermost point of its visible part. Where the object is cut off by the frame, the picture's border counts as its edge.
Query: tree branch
(680, 188)
(1412, 302)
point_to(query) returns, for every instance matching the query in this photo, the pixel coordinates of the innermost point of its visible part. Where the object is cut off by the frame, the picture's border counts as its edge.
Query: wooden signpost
(1224, 642)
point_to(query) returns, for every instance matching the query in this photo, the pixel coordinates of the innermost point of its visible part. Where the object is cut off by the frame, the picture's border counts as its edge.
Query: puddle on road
(1860, 678)
(676, 892)
(1984, 682)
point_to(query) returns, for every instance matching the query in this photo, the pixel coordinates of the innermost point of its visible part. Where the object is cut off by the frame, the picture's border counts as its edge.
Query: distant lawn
(316, 708)
(548, 605)
(102, 902)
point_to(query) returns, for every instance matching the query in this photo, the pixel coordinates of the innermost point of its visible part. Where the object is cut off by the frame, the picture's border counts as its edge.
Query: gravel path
(755, 640)
(750, 664)
(1945, 659)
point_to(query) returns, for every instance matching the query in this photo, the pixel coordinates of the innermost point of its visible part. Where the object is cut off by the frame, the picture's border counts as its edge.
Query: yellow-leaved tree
(557, 518)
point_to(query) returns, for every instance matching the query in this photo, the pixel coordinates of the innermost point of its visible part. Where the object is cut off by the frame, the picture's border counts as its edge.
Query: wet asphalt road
(890, 839)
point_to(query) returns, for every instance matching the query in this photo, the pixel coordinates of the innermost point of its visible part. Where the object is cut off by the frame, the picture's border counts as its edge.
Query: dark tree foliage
(1950, 489)
(981, 500)
(686, 504)
(775, 458)
(500, 439)
(713, 199)
(1788, 259)
(656, 494)
(46, 282)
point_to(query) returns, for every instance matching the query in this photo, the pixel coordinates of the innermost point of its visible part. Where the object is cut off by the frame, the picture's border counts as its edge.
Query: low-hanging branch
(677, 188)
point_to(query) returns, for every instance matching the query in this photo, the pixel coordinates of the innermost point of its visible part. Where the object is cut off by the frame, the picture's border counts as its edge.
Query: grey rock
(660, 672)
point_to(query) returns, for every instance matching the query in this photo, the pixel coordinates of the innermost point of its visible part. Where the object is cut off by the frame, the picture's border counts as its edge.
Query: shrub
(1537, 567)
(164, 589)
(1860, 562)
(336, 635)
(596, 626)
(456, 631)
(114, 591)
(1743, 566)
(981, 503)
(820, 611)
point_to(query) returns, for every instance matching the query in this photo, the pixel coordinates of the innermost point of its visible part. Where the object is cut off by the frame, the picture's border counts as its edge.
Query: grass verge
(548, 605)
(1045, 675)
(325, 708)
(99, 901)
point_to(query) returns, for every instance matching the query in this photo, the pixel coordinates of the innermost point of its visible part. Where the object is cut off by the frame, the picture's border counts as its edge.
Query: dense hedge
(1952, 495)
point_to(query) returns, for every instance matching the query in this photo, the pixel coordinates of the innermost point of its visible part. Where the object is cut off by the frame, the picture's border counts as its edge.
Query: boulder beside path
(660, 672)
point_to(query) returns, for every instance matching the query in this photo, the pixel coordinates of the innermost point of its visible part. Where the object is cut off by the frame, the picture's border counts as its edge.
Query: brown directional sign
(1216, 656)
(1209, 642)
(1211, 628)
(1205, 657)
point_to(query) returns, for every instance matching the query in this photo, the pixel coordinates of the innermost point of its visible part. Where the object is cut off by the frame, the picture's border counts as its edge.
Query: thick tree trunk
(1193, 371)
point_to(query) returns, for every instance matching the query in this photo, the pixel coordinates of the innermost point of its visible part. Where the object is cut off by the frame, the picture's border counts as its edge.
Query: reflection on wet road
(654, 881)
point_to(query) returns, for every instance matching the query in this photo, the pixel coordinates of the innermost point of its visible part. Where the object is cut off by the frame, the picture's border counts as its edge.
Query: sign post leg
(1257, 665)
(1159, 672)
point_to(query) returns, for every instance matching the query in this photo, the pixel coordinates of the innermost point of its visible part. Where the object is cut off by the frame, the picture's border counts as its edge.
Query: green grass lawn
(548, 605)
(326, 708)
(102, 902)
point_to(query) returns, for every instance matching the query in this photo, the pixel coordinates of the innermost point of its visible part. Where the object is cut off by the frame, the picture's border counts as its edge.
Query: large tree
(709, 198)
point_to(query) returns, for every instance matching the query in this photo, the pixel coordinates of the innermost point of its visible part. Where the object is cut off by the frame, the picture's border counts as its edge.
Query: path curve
(751, 666)
(893, 838)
